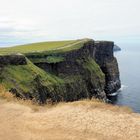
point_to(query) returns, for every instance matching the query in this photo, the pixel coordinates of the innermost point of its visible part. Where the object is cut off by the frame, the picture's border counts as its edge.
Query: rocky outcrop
(116, 48)
(15, 59)
(104, 57)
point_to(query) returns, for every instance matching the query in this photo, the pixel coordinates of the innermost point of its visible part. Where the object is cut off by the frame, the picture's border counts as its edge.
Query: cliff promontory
(60, 71)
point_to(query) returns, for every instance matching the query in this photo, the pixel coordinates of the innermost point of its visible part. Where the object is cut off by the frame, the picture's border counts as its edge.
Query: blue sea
(129, 65)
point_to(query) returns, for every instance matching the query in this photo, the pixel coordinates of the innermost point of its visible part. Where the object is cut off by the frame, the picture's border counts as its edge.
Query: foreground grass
(81, 120)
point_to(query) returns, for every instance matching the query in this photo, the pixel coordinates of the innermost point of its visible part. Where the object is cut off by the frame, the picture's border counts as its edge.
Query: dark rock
(89, 84)
(15, 59)
(116, 48)
(102, 53)
(108, 63)
(70, 65)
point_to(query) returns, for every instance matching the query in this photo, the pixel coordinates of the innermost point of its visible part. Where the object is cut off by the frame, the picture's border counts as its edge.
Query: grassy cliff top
(53, 46)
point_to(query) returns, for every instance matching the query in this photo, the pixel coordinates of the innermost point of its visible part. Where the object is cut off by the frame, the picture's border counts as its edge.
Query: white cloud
(38, 20)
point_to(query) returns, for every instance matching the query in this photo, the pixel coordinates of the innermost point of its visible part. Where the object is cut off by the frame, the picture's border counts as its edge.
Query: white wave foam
(116, 93)
(122, 88)
(113, 94)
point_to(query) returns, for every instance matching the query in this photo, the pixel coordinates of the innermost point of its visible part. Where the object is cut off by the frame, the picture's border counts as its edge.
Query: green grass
(93, 67)
(50, 47)
(22, 76)
(48, 59)
(95, 74)
(55, 59)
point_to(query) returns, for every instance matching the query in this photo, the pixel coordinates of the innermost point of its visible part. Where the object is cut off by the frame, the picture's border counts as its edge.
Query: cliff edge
(67, 71)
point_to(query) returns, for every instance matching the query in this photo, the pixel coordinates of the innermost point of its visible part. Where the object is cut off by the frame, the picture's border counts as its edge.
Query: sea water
(129, 66)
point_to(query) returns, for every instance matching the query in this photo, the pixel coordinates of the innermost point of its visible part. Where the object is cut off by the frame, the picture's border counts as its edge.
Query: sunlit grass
(44, 46)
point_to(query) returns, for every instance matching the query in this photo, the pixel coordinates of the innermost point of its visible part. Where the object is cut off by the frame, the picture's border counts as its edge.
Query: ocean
(129, 65)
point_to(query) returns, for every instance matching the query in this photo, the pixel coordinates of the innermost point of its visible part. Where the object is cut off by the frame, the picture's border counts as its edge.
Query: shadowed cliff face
(101, 52)
(87, 72)
(104, 57)
(17, 59)
(80, 70)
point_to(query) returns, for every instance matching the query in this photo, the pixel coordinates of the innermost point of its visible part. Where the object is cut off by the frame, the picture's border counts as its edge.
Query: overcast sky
(25, 21)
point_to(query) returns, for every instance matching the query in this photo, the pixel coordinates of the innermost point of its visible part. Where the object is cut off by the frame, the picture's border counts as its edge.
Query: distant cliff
(86, 71)
(116, 48)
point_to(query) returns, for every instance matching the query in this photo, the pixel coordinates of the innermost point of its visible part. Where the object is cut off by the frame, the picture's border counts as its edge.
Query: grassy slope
(55, 46)
(95, 72)
(23, 76)
(36, 51)
(35, 47)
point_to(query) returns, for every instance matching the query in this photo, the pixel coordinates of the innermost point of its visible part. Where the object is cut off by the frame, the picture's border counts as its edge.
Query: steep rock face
(80, 70)
(85, 72)
(108, 63)
(101, 52)
(70, 64)
(15, 59)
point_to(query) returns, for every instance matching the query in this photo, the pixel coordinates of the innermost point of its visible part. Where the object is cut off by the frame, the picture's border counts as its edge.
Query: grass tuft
(4, 94)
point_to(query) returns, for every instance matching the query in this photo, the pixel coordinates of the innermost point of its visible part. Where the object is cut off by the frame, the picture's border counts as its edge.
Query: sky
(26, 21)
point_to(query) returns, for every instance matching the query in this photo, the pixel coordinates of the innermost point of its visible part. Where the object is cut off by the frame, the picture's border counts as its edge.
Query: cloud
(18, 32)
(29, 20)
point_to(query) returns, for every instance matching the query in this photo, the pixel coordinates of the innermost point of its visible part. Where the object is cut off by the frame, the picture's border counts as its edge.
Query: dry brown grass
(81, 120)
(9, 97)
(95, 103)
(5, 94)
(91, 104)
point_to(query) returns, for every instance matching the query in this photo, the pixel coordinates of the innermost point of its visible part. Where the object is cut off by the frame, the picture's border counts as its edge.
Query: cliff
(116, 48)
(79, 69)
(108, 64)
